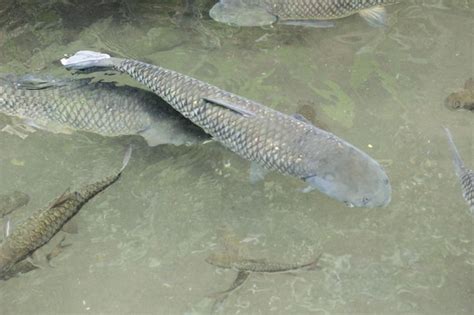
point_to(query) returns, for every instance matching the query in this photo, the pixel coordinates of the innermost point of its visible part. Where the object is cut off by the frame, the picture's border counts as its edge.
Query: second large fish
(65, 105)
(260, 134)
(315, 13)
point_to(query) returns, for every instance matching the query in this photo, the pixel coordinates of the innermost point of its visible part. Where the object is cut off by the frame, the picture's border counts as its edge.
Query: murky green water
(141, 244)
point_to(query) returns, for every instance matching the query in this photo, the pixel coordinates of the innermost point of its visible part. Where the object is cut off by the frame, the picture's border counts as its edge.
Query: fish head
(241, 13)
(220, 259)
(351, 176)
(459, 100)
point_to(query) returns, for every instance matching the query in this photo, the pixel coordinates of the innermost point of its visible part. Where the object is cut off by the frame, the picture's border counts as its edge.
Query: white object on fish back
(84, 59)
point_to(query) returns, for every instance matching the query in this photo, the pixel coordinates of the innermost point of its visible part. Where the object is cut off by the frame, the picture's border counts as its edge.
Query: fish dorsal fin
(233, 107)
(65, 196)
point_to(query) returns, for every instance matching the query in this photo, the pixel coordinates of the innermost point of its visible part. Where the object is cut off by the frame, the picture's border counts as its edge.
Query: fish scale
(253, 138)
(304, 9)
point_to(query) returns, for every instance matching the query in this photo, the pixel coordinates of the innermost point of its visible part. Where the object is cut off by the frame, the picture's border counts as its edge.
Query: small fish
(63, 105)
(42, 225)
(223, 260)
(312, 13)
(466, 176)
(221, 296)
(273, 140)
(463, 99)
(12, 201)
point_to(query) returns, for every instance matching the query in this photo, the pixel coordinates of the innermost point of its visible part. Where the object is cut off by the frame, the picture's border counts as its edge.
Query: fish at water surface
(65, 105)
(42, 225)
(223, 260)
(260, 134)
(465, 175)
(313, 13)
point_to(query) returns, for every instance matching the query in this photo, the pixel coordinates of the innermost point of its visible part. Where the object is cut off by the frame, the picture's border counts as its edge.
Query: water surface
(141, 244)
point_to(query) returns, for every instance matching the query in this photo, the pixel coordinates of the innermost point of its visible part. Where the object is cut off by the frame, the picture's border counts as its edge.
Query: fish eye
(385, 181)
(457, 104)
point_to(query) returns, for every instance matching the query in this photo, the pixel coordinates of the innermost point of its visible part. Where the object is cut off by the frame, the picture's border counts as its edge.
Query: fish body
(462, 99)
(259, 134)
(42, 225)
(65, 105)
(255, 265)
(465, 175)
(12, 201)
(296, 12)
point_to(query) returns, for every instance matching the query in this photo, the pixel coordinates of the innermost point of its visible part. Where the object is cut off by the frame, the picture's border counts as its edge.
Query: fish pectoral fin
(31, 82)
(14, 132)
(48, 126)
(257, 173)
(154, 137)
(71, 226)
(309, 23)
(7, 227)
(229, 105)
(238, 13)
(375, 16)
(38, 259)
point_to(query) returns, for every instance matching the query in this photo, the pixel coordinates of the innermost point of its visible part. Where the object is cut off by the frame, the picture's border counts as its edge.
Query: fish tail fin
(126, 158)
(86, 59)
(457, 161)
(375, 16)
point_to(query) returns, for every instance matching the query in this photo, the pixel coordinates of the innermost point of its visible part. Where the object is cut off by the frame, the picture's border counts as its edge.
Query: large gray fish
(42, 225)
(466, 176)
(64, 105)
(272, 139)
(315, 13)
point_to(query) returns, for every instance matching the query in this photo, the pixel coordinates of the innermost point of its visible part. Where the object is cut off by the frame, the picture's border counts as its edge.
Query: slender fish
(465, 175)
(260, 134)
(42, 225)
(314, 13)
(223, 260)
(63, 105)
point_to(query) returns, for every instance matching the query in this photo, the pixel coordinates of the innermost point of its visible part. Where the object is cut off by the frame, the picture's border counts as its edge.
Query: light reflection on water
(141, 245)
